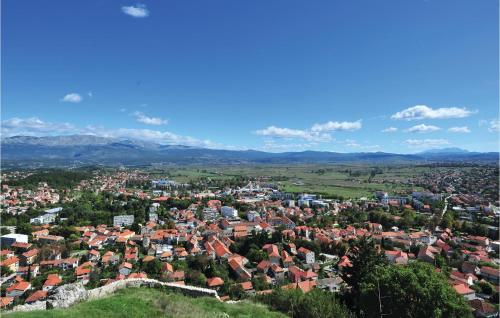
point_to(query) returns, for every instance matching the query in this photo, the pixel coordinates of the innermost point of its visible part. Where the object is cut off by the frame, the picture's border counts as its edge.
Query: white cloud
(353, 144)
(426, 112)
(272, 146)
(72, 98)
(463, 129)
(494, 125)
(423, 128)
(277, 132)
(426, 143)
(156, 121)
(137, 11)
(390, 130)
(33, 127)
(335, 126)
(90, 94)
(36, 127)
(317, 133)
(161, 137)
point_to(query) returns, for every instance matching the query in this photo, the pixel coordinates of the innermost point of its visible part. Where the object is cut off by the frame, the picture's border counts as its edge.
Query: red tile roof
(53, 280)
(38, 295)
(215, 281)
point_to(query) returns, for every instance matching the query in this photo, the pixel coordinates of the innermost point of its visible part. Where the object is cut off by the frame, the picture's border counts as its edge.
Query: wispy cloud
(34, 126)
(336, 126)
(463, 129)
(426, 112)
(317, 133)
(137, 11)
(494, 125)
(426, 143)
(423, 128)
(72, 98)
(161, 137)
(390, 130)
(358, 146)
(155, 121)
(273, 146)
(277, 132)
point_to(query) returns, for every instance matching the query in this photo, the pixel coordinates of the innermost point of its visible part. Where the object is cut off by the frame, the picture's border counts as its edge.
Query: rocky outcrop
(67, 295)
(39, 305)
(70, 294)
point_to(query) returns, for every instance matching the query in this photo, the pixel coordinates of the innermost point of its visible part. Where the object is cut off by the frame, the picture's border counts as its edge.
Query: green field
(348, 181)
(142, 302)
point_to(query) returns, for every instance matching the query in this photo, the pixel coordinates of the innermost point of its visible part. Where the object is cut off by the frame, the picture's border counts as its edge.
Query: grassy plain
(348, 181)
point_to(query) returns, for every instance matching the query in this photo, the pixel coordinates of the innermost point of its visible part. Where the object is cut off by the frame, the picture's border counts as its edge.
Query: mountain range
(92, 150)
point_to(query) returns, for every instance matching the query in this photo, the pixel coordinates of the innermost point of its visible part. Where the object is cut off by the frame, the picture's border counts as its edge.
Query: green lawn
(143, 302)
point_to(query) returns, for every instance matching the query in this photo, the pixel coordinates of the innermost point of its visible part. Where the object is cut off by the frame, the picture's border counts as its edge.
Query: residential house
(6, 301)
(215, 282)
(276, 272)
(468, 279)
(83, 271)
(397, 257)
(247, 287)
(483, 309)
(465, 291)
(52, 281)
(427, 254)
(29, 257)
(37, 296)
(125, 268)
(489, 273)
(110, 258)
(306, 255)
(18, 289)
(239, 269)
(11, 263)
(176, 276)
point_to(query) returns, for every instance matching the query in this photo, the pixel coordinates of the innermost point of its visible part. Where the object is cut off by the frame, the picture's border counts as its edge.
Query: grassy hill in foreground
(143, 302)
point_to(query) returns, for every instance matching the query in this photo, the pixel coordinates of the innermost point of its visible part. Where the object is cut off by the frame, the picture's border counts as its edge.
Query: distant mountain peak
(445, 150)
(89, 149)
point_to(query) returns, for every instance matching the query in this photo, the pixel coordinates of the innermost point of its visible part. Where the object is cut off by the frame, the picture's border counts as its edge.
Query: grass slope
(143, 302)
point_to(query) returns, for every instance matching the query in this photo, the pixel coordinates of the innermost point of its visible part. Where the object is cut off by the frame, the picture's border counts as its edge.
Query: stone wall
(70, 294)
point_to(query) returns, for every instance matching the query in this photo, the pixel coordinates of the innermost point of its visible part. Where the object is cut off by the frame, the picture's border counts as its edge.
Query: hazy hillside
(84, 150)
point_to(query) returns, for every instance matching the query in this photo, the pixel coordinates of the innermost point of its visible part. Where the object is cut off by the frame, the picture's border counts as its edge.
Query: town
(245, 237)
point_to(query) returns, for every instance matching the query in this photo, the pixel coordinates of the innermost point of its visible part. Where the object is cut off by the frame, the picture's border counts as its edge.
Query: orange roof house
(215, 282)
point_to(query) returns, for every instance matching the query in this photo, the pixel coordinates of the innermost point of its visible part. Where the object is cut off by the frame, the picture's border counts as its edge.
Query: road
(446, 204)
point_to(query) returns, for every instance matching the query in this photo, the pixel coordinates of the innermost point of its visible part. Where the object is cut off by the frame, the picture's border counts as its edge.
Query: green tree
(365, 258)
(315, 304)
(153, 268)
(416, 290)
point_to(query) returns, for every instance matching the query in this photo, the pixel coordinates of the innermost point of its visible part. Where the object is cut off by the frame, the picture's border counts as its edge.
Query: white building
(229, 212)
(123, 220)
(306, 255)
(252, 215)
(10, 239)
(154, 207)
(48, 217)
(153, 217)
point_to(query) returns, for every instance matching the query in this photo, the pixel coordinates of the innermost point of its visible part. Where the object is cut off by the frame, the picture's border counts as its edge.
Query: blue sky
(274, 75)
